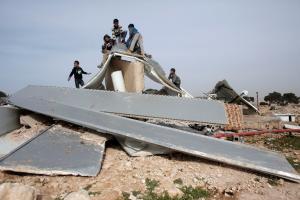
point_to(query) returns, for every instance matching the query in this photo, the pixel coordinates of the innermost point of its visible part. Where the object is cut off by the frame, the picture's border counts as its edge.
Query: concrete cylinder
(118, 81)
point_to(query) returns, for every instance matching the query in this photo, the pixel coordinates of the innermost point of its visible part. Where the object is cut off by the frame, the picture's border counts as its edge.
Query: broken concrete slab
(137, 148)
(58, 150)
(290, 126)
(32, 120)
(240, 155)
(130, 104)
(9, 119)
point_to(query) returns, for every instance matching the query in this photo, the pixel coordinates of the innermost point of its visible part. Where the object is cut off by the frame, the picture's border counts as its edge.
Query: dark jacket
(107, 46)
(77, 72)
(175, 79)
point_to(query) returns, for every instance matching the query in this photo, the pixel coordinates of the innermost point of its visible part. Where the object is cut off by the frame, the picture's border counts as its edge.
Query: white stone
(80, 195)
(13, 191)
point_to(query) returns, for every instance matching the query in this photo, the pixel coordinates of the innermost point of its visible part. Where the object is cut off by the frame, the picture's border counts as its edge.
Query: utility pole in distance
(257, 103)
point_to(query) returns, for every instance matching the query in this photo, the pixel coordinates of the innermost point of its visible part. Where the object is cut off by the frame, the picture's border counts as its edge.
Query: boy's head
(76, 63)
(116, 22)
(106, 38)
(130, 27)
(172, 71)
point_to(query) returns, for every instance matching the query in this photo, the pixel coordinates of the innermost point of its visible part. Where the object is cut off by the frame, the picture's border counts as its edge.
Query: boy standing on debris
(135, 41)
(77, 71)
(174, 78)
(117, 32)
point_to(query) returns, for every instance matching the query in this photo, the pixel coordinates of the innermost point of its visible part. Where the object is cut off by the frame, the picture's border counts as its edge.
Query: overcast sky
(254, 44)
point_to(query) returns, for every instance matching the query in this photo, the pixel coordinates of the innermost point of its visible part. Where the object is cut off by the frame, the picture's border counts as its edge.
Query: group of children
(134, 44)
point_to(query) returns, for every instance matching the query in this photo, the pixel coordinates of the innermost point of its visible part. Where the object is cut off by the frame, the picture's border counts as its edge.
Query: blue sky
(253, 44)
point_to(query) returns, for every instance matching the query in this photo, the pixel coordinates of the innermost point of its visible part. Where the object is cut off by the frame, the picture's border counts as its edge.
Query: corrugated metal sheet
(194, 110)
(206, 147)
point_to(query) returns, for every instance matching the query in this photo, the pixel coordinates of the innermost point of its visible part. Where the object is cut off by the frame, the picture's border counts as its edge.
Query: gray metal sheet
(194, 110)
(9, 119)
(96, 81)
(11, 141)
(206, 147)
(56, 151)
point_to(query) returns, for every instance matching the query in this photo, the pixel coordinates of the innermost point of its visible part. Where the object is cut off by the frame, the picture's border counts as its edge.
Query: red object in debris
(249, 133)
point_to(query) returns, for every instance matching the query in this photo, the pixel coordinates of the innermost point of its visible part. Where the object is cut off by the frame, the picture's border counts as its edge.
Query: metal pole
(257, 103)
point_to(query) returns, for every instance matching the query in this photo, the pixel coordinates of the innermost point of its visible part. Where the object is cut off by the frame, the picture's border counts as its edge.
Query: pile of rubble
(143, 125)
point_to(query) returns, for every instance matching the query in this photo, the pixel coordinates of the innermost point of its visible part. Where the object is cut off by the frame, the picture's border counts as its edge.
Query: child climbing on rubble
(135, 41)
(108, 43)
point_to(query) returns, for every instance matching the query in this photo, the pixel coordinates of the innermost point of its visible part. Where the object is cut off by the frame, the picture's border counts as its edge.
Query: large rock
(80, 195)
(13, 191)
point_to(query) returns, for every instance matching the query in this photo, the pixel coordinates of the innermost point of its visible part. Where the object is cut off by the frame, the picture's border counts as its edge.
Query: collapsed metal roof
(152, 69)
(202, 146)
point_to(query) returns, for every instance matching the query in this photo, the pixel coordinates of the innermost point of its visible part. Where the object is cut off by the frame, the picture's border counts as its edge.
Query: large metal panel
(57, 150)
(206, 147)
(9, 119)
(194, 110)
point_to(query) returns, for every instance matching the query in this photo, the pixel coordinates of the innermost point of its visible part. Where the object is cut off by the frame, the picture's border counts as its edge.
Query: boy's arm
(83, 72)
(71, 74)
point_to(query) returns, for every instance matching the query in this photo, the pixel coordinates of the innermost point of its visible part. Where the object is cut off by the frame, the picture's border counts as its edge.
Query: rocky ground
(122, 176)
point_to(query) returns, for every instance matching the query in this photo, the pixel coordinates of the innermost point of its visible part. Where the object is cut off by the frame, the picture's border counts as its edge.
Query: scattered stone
(132, 197)
(280, 181)
(13, 191)
(80, 195)
(230, 191)
(174, 191)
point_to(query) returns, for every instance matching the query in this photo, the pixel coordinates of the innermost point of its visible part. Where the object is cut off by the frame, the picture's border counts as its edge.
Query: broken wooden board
(227, 152)
(58, 151)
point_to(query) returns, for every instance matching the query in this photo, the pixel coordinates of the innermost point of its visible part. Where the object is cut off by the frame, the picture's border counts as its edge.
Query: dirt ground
(122, 173)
